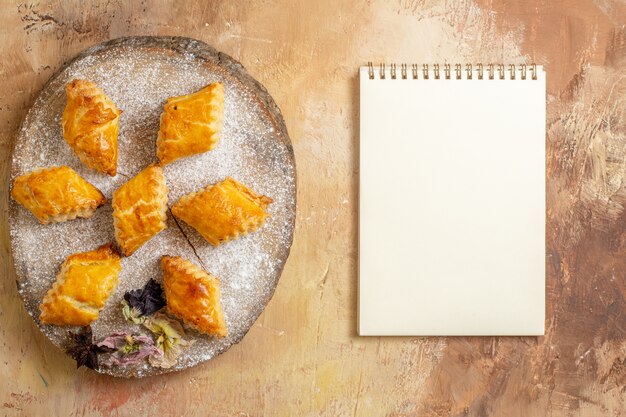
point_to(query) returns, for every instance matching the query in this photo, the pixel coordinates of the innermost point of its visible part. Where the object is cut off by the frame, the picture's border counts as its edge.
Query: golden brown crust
(193, 295)
(191, 124)
(82, 287)
(91, 125)
(56, 194)
(139, 209)
(223, 211)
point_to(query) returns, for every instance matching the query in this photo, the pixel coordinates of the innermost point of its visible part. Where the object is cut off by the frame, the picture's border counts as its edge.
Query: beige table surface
(302, 358)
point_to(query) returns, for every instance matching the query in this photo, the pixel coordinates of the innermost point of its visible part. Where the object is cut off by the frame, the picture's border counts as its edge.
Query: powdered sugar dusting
(139, 74)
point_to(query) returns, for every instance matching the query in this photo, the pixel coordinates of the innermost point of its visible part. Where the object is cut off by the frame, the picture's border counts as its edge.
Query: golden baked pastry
(82, 287)
(193, 295)
(223, 211)
(191, 124)
(139, 209)
(56, 194)
(90, 126)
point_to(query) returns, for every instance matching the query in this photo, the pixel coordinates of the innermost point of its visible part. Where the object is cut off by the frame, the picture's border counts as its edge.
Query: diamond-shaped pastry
(139, 209)
(223, 211)
(193, 295)
(191, 124)
(82, 287)
(56, 194)
(91, 125)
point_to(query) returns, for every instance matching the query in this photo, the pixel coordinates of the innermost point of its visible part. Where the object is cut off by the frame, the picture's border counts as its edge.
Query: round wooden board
(139, 74)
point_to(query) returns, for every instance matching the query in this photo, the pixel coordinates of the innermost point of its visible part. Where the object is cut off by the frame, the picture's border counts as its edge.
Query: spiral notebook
(452, 200)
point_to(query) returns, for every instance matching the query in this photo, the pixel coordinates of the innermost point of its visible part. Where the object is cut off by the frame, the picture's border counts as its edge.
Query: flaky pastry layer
(82, 287)
(91, 126)
(193, 295)
(223, 211)
(56, 194)
(140, 209)
(191, 124)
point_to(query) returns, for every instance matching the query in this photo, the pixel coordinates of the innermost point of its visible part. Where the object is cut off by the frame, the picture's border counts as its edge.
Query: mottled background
(302, 358)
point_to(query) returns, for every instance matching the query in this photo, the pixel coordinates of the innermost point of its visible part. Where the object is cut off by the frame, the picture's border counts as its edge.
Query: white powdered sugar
(139, 74)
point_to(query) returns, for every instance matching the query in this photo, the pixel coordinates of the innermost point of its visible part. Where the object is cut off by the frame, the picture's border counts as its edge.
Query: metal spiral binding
(447, 71)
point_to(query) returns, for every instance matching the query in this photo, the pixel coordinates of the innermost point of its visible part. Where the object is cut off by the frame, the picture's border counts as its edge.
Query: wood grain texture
(302, 357)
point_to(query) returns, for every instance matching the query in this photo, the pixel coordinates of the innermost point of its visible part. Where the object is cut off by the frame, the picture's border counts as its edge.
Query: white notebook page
(452, 205)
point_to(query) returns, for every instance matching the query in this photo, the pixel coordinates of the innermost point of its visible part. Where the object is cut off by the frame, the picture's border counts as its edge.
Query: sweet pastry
(56, 194)
(193, 295)
(223, 211)
(82, 287)
(139, 209)
(191, 124)
(90, 126)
